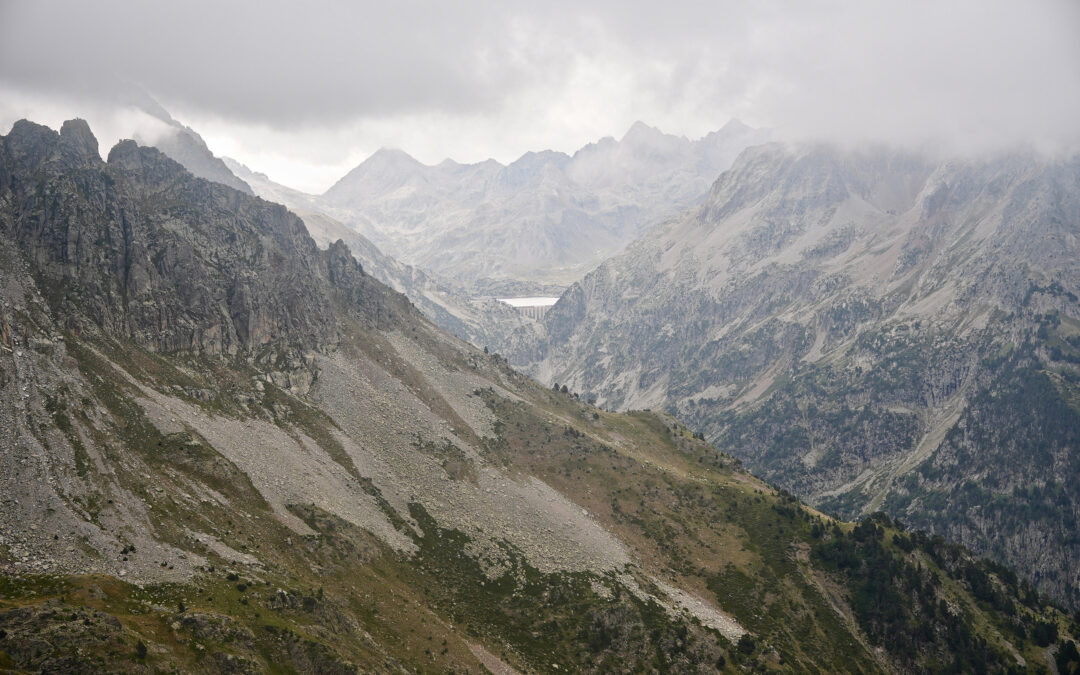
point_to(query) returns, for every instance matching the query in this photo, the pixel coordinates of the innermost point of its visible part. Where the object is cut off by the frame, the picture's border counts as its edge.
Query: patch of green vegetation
(18, 587)
(289, 411)
(776, 594)
(57, 407)
(899, 604)
(556, 619)
(843, 504)
(454, 461)
(712, 531)
(99, 623)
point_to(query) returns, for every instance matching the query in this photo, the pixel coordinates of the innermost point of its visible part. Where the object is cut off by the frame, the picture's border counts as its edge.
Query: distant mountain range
(450, 235)
(483, 230)
(539, 222)
(871, 329)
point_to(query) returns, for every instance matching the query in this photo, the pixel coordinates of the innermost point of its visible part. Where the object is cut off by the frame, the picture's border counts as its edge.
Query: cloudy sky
(305, 91)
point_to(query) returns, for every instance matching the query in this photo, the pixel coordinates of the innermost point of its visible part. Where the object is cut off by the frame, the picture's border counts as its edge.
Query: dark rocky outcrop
(140, 247)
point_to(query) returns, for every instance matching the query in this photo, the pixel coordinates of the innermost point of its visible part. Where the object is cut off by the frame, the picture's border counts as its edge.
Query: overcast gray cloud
(306, 90)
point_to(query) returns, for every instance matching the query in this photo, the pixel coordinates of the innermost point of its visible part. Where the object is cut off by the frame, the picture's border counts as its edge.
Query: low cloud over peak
(319, 86)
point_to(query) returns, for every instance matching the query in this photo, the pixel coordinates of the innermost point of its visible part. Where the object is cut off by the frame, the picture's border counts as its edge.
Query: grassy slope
(804, 586)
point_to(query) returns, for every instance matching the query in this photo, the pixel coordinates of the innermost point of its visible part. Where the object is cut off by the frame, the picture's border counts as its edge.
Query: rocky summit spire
(77, 142)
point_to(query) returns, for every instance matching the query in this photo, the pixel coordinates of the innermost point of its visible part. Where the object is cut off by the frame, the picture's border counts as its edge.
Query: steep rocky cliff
(870, 329)
(226, 450)
(147, 259)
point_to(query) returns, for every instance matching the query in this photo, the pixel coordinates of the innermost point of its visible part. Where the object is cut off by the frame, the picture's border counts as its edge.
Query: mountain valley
(873, 330)
(226, 449)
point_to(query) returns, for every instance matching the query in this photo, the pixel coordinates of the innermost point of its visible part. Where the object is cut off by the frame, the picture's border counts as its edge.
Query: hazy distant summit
(387, 169)
(180, 143)
(544, 219)
(188, 148)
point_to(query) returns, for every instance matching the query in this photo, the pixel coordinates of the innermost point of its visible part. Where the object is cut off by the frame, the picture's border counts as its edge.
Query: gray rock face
(537, 223)
(166, 267)
(849, 324)
(78, 143)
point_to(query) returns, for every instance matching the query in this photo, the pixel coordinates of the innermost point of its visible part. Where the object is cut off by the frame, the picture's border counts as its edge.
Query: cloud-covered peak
(640, 132)
(476, 80)
(734, 126)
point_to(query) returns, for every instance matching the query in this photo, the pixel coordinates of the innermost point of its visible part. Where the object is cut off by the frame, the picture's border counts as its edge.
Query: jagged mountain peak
(642, 139)
(31, 142)
(549, 216)
(602, 144)
(641, 132)
(180, 142)
(155, 166)
(239, 167)
(806, 174)
(74, 145)
(185, 146)
(386, 169)
(450, 170)
(534, 157)
(76, 136)
(532, 165)
(735, 126)
(389, 156)
(130, 154)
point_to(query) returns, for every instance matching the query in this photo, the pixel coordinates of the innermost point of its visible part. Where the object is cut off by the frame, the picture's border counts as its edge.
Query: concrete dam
(533, 307)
